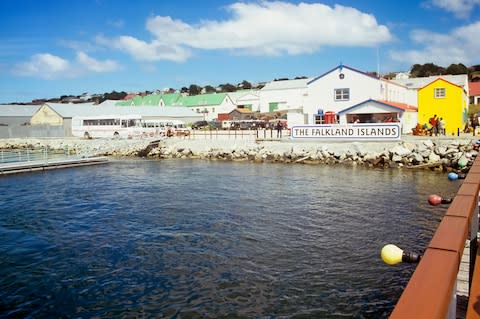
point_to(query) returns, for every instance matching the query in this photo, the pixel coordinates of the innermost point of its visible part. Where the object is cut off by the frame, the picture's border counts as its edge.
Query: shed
(16, 114)
(378, 111)
(241, 114)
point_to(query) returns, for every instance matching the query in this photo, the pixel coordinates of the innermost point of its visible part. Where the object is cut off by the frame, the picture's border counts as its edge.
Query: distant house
(474, 91)
(208, 105)
(240, 114)
(129, 96)
(446, 100)
(402, 76)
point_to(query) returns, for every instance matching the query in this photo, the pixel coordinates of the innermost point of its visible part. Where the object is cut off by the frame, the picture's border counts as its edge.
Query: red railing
(431, 291)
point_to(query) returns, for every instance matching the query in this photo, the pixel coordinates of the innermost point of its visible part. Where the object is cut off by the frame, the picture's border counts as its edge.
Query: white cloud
(43, 65)
(461, 8)
(48, 66)
(143, 51)
(263, 28)
(458, 46)
(95, 65)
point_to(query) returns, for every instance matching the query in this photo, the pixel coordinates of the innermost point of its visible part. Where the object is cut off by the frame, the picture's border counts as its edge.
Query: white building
(249, 99)
(284, 95)
(344, 87)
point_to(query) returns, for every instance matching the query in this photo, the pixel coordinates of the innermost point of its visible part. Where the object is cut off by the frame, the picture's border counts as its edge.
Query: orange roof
(243, 110)
(474, 88)
(398, 105)
(129, 96)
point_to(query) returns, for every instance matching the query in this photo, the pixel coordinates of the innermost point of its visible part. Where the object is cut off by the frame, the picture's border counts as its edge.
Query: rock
(433, 158)
(397, 158)
(417, 159)
(428, 143)
(400, 150)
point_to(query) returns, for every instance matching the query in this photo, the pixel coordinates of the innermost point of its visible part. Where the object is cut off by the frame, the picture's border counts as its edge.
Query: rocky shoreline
(435, 154)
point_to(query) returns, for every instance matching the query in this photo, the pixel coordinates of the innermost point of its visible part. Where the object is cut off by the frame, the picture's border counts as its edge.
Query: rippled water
(198, 239)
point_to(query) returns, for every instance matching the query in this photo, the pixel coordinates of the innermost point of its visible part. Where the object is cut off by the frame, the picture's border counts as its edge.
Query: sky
(51, 48)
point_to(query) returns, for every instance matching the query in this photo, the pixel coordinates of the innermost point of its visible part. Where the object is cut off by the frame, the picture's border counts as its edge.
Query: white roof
(286, 84)
(417, 83)
(89, 109)
(238, 94)
(18, 110)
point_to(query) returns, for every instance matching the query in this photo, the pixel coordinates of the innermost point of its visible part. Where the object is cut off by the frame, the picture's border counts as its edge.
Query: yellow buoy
(391, 254)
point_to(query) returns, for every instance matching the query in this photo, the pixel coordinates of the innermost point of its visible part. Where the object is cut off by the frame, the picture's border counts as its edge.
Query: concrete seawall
(439, 153)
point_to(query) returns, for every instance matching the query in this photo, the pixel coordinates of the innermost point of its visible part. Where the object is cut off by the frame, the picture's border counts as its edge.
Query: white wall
(409, 121)
(289, 94)
(321, 91)
(211, 112)
(294, 118)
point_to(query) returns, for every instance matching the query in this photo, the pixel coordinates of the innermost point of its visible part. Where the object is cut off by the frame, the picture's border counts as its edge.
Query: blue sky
(51, 48)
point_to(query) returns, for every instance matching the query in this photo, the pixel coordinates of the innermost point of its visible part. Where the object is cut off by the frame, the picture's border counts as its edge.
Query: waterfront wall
(422, 153)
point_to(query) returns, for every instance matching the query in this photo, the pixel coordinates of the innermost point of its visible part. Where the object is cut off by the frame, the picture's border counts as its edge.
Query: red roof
(398, 105)
(129, 96)
(474, 88)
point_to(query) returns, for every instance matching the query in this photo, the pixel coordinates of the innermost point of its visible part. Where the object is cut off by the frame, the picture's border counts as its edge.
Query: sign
(377, 131)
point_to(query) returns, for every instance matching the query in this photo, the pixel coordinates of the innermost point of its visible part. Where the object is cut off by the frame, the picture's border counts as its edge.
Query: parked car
(199, 124)
(214, 125)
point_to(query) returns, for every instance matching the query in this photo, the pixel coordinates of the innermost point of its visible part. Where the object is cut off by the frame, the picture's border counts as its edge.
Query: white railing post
(473, 237)
(452, 307)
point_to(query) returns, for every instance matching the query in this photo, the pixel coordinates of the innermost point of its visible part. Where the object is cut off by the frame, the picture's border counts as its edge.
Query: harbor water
(206, 239)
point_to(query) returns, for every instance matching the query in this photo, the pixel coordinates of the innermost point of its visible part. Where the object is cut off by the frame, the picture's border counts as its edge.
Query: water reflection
(194, 239)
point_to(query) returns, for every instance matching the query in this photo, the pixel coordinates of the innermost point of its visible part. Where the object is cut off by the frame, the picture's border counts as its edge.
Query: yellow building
(45, 115)
(446, 100)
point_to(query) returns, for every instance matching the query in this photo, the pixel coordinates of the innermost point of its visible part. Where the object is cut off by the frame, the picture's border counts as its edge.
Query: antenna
(378, 62)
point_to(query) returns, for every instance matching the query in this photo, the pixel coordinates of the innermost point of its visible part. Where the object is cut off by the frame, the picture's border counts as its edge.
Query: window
(272, 106)
(342, 94)
(440, 93)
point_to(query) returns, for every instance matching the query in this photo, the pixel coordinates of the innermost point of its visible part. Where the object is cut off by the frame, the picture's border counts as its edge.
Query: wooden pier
(446, 281)
(44, 165)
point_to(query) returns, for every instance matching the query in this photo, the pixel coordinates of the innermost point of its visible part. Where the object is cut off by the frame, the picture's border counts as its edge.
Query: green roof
(202, 99)
(152, 99)
(170, 98)
(176, 99)
(137, 100)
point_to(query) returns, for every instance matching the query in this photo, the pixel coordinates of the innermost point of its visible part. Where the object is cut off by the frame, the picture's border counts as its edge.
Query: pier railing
(431, 291)
(30, 155)
(237, 134)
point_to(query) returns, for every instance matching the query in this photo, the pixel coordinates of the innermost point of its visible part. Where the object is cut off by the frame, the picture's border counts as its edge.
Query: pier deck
(43, 165)
(462, 283)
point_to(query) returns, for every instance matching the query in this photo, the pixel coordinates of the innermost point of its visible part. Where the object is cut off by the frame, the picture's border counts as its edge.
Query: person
(433, 122)
(279, 128)
(474, 121)
(441, 126)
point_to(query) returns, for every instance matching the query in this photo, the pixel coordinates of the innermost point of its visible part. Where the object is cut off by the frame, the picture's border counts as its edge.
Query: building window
(440, 93)
(342, 94)
(272, 106)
